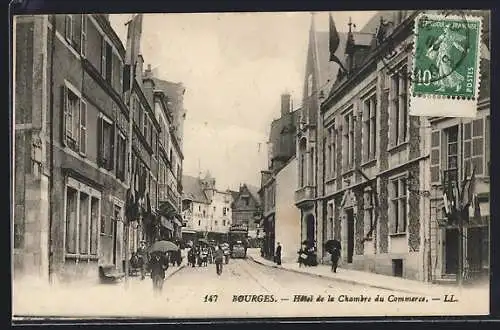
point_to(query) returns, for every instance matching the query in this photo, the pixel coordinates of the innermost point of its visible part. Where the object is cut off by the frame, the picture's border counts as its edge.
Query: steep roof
(192, 189)
(254, 191)
(328, 70)
(234, 194)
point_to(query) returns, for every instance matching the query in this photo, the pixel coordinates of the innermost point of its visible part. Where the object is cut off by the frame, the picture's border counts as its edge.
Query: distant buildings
(246, 206)
(206, 210)
(71, 147)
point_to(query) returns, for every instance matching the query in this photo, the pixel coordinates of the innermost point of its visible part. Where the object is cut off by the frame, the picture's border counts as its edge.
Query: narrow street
(245, 289)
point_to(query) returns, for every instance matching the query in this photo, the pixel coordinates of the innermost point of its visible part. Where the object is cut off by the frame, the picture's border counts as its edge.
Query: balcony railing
(167, 194)
(304, 194)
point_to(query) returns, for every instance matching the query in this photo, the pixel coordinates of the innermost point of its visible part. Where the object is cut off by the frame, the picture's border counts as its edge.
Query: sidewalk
(367, 278)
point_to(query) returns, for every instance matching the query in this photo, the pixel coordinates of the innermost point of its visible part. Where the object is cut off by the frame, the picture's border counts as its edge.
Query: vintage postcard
(251, 165)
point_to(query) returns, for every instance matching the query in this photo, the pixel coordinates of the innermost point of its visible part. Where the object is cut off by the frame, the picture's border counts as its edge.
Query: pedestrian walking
(219, 257)
(158, 264)
(335, 259)
(142, 253)
(278, 254)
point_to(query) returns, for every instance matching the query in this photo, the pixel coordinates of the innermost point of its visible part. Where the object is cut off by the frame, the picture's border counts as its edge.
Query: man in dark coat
(278, 254)
(335, 258)
(158, 264)
(218, 258)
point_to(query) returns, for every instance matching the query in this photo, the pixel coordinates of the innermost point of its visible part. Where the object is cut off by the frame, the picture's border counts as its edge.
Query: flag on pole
(446, 204)
(133, 39)
(131, 204)
(468, 188)
(134, 33)
(334, 43)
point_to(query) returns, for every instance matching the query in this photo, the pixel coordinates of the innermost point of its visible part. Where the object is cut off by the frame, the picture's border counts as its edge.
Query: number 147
(210, 298)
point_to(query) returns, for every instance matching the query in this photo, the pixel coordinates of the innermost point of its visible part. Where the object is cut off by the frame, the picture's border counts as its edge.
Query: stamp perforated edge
(478, 19)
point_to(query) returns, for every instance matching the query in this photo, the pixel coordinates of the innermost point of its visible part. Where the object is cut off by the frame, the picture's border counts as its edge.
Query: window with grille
(398, 209)
(399, 107)
(82, 222)
(452, 148)
(74, 122)
(369, 127)
(349, 146)
(106, 141)
(331, 151)
(473, 147)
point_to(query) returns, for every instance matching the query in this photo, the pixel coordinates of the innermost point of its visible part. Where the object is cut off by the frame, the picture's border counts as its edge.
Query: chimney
(148, 86)
(286, 103)
(148, 74)
(138, 70)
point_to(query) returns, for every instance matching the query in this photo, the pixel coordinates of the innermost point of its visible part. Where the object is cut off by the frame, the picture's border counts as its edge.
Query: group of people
(198, 255)
(308, 256)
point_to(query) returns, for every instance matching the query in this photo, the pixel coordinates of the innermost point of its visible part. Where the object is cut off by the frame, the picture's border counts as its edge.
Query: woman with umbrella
(333, 247)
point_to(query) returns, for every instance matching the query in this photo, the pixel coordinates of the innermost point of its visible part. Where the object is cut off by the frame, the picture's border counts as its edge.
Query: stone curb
(175, 271)
(340, 279)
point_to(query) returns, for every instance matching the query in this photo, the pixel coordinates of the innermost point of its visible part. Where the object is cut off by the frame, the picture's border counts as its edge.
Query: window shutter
(84, 35)
(112, 149)
(67, 27)
(100, 144)
(103, 57)
(435, 156)
(83, 127)
(77, 33)
(64, 112)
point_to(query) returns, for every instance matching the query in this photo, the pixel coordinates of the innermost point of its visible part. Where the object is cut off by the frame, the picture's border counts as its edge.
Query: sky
(234, 66)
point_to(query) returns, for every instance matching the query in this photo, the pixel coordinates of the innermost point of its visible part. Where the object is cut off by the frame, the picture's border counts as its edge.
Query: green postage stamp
(446, 75)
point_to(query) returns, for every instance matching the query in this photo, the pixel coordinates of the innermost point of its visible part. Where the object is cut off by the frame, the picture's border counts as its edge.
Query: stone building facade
(71, 138)
(282, 148)
(373, 169)
(206, 210)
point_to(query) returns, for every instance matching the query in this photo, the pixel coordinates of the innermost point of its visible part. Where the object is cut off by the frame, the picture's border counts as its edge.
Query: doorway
(350, 234)
(475, 253)
(114, 229)
(451, 251)
(310, 228)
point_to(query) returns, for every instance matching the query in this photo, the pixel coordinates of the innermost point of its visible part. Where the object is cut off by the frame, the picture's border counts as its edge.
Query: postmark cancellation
(446, 58)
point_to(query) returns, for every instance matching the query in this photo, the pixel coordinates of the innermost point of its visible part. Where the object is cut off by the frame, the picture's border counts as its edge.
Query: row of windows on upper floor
(111, 141)
(77, 28)
(344, 136)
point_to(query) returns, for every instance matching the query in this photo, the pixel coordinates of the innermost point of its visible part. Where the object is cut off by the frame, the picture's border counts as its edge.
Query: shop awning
(167, 223)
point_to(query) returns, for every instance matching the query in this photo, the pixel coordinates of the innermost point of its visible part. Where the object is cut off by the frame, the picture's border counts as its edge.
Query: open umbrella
(331, 244)
(163, 246)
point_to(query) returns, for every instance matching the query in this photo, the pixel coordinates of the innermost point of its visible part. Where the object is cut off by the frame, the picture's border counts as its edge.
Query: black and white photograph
(233, 165)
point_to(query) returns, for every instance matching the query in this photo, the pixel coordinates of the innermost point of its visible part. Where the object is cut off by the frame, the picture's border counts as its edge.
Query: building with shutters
(206, 210)
(371, 184)
(71, 140)
(457, 146)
